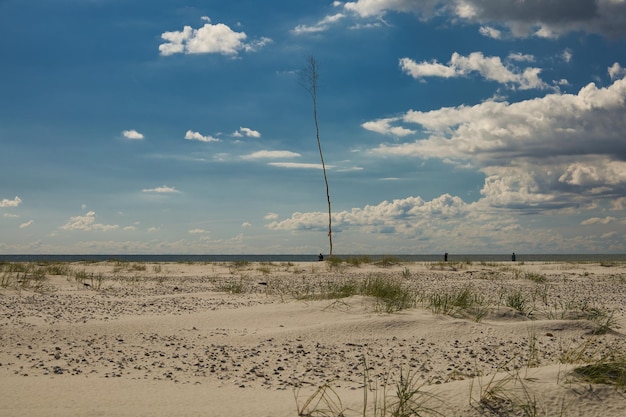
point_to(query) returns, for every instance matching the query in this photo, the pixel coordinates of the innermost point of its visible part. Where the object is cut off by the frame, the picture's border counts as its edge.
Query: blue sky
(171, 126)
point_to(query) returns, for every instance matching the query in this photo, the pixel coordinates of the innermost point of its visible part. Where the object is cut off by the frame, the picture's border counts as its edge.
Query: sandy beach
(319, 338)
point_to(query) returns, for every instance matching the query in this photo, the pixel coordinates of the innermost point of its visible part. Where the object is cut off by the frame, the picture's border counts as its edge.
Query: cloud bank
(519, 19)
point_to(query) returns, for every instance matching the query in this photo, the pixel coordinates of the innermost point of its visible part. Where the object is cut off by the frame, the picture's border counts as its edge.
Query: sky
(183, 127)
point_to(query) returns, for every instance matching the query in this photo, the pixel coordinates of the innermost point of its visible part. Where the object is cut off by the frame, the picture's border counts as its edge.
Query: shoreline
(502, 257)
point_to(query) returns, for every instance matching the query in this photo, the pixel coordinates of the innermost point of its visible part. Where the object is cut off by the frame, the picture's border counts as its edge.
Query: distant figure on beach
(513, 257)
(320, 257)
(445, 257)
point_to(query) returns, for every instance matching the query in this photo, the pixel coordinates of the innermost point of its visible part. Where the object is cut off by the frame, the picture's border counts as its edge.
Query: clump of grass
(518, 301)
(22, 276)
(138, 266)
(410, 399)
(390, 293)
(441, 266)
(507, 395)
(393, 295)
(237, 266)
(120, 266)
(232, 287)
(536, 277)
(334, 262)
(57, 268)
(358, 260)
(454, 301)
(264, 269)
(606, 371)
(604, 320)
(324, 402)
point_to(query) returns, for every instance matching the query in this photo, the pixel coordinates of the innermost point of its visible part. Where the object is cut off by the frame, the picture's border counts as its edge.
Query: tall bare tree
(308, 79)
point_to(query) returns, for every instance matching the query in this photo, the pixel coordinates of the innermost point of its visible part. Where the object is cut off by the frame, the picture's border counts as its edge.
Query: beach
(311, 338)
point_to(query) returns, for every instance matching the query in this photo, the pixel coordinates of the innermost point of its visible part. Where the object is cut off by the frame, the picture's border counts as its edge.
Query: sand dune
(252, 339)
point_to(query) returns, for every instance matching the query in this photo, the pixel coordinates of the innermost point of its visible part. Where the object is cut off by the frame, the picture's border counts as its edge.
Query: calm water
(313, 258)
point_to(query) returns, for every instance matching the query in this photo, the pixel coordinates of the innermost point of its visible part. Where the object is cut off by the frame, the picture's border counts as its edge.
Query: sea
(314, 258)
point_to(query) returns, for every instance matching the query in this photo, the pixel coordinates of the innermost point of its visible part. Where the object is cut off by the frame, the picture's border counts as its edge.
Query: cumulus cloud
(209, 39)
(548, 19)
(491, 68)
(191, 135)
(272, 155)
(244, 131)
(87, 223)
(197, 231)
(164, 189)
(549, 152)
(132, 134)
(10, 203)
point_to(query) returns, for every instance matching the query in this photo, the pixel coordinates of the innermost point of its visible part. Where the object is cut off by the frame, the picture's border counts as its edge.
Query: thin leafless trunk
(308, 79)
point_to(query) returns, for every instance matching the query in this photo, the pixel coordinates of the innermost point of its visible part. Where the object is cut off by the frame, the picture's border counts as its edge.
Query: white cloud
(491, 68)
(244, 131)
(197, 231)
(550, 152)
(208, 39)
(164, 189)
(490, 32)
(616, 71)
(132, 134)
(271, 216)
(10, 203)
(87, 223)
(320, 26)
(426, 69)
(27, 224)
(272, 155)
(190, 135)
(378, 8)
(10, 216)
(246, 225)
(519, 57)
(384, 126)
(567, 55)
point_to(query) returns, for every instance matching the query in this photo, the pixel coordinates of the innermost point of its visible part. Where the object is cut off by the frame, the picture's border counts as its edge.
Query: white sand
(168, 340)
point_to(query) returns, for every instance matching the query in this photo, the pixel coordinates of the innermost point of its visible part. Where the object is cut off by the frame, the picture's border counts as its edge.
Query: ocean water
(313, 258)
